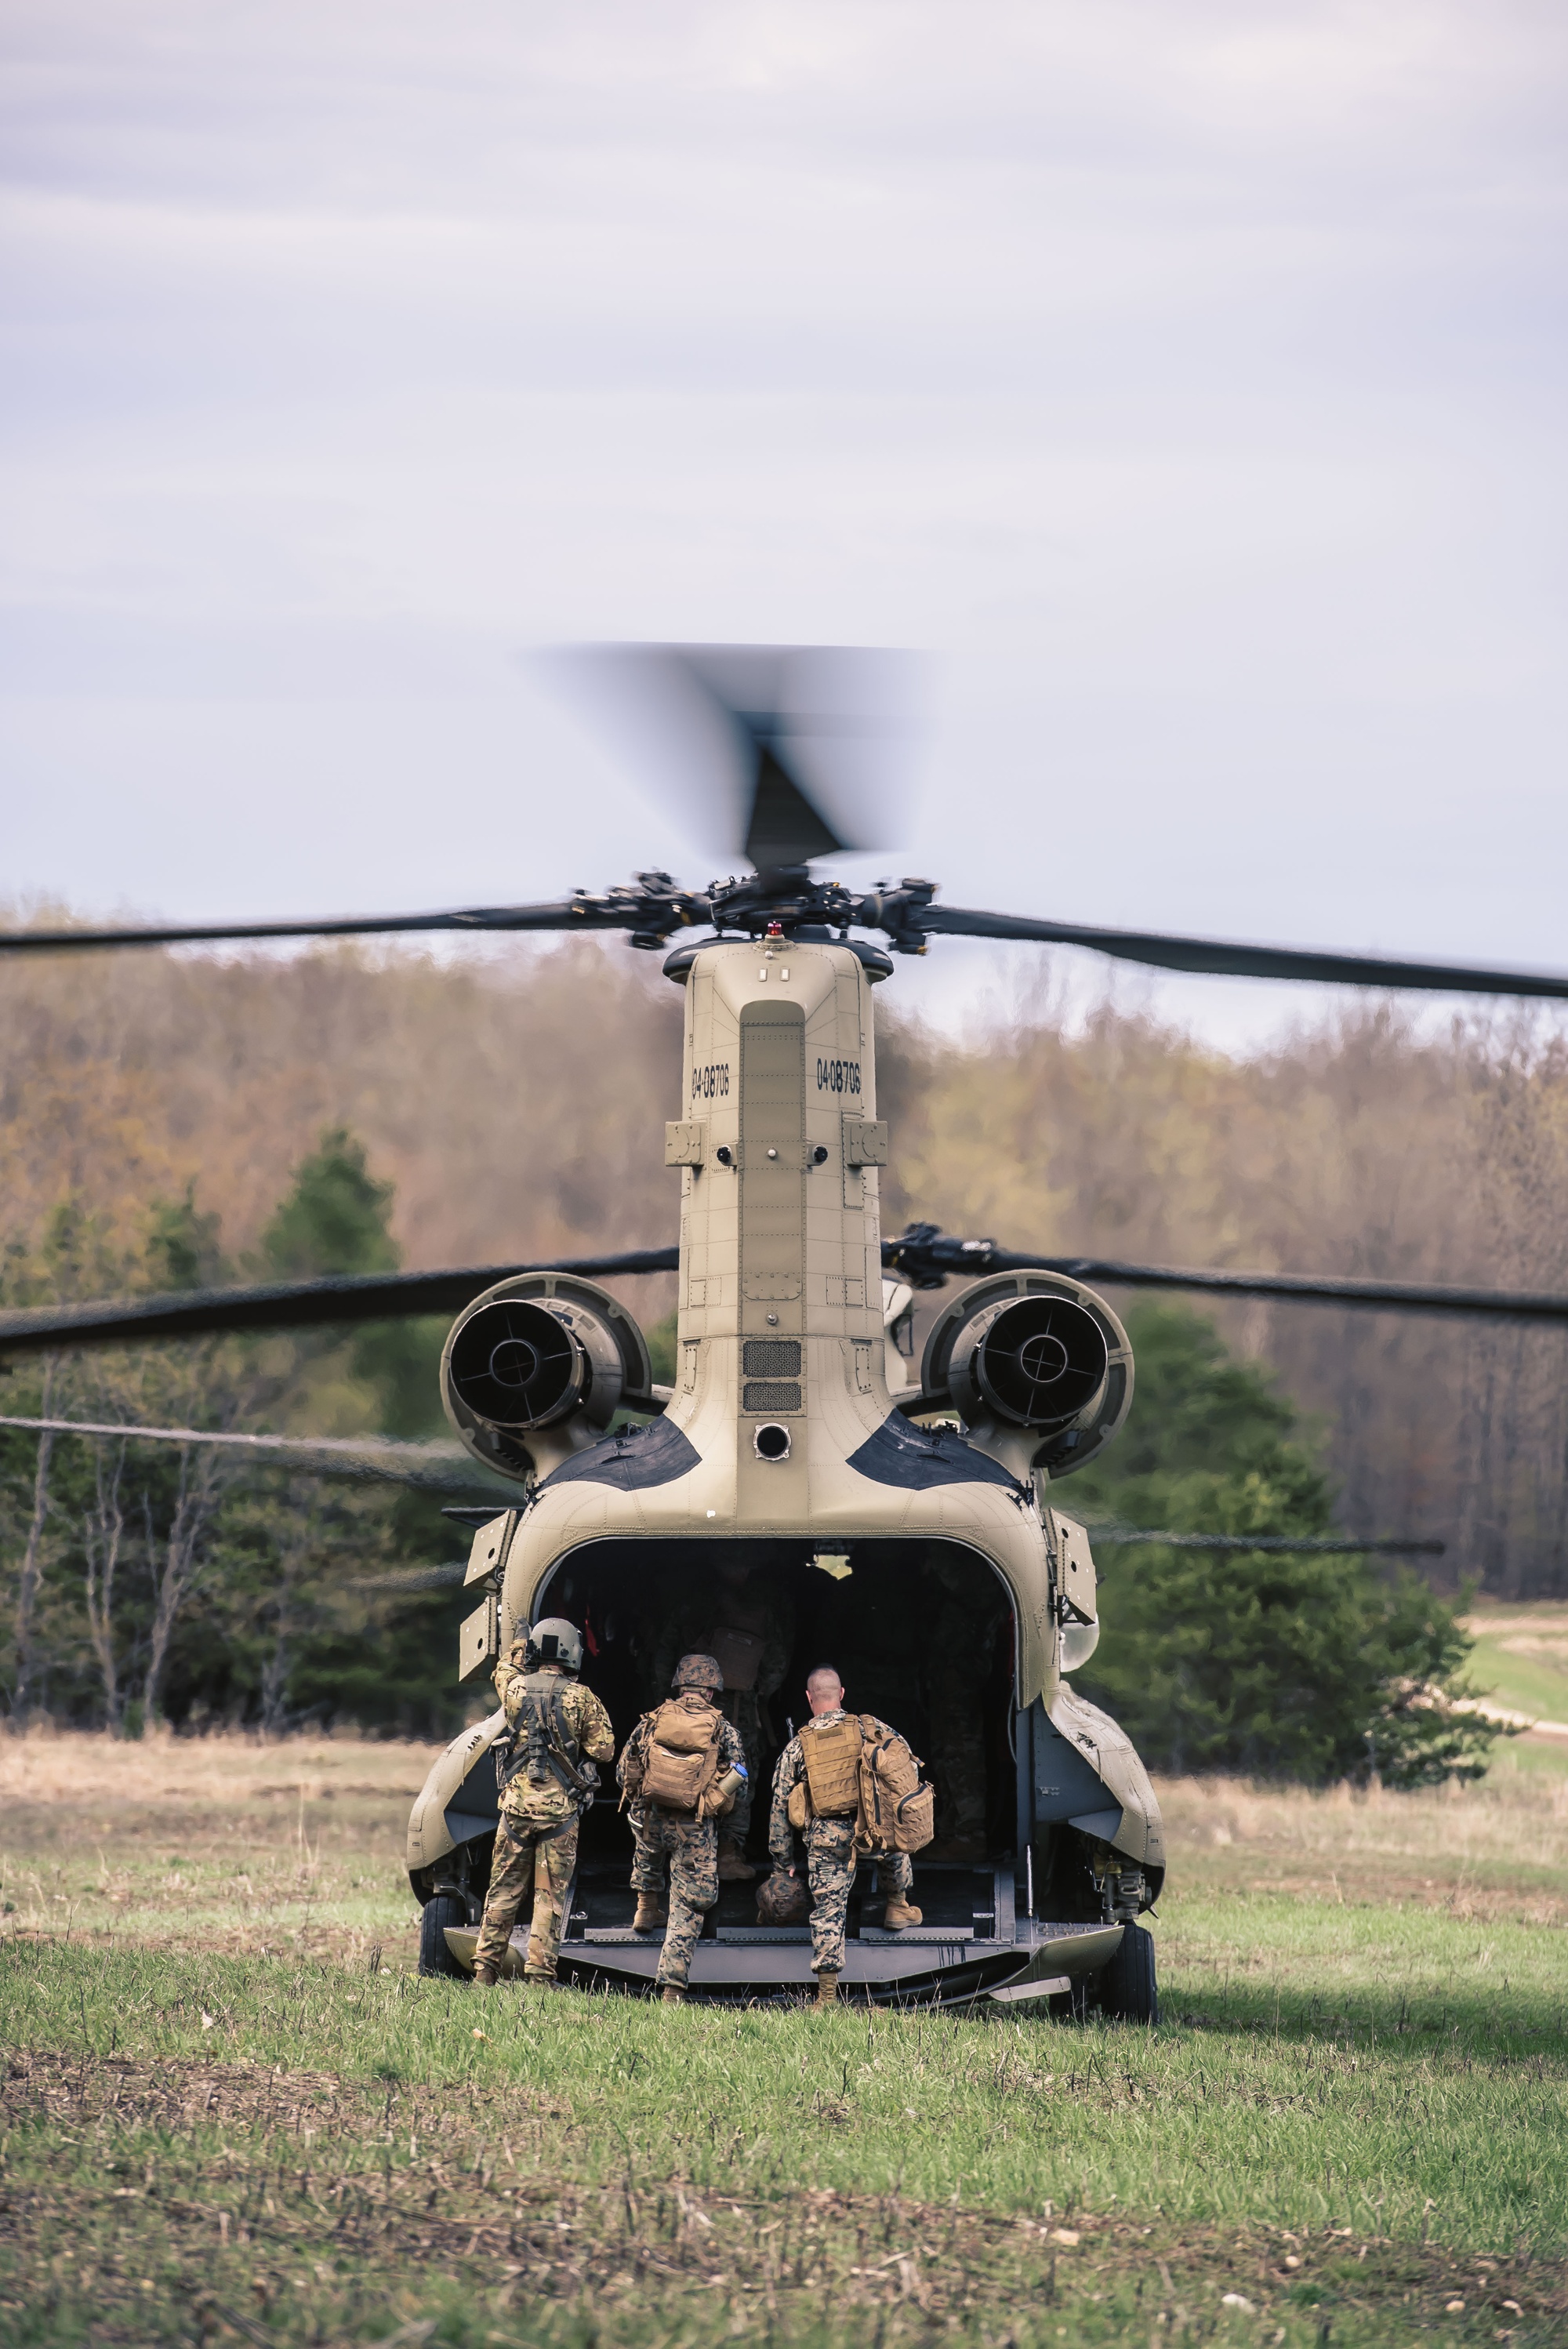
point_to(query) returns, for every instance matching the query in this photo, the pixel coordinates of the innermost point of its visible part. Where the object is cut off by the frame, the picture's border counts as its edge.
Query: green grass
(1304, 2093)
(1525, 1683)
(1520, 1661)
(1354, 2112)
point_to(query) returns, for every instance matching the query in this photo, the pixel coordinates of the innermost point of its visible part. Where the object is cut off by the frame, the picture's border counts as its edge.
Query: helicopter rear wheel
(1127, 1986)
(443, 1909)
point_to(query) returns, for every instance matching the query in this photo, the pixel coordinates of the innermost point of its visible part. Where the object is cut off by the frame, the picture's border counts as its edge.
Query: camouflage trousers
(692, 1848)
(830, 1862)
(533, 1860)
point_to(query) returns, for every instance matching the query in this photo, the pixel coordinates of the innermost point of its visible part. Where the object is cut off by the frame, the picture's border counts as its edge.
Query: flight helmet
(554, 1642)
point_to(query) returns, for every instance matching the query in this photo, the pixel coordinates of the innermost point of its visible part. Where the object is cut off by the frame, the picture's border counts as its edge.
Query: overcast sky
(1188, 381)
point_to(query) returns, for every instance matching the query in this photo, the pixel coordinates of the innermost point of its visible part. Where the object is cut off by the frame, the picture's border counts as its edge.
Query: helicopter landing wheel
(440, 1910)
(1127, 1986)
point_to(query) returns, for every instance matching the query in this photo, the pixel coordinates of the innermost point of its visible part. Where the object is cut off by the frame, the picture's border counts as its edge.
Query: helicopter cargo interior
(922, 1633)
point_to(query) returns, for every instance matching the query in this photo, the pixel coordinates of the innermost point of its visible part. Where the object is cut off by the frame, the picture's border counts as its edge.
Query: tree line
(166, 1119)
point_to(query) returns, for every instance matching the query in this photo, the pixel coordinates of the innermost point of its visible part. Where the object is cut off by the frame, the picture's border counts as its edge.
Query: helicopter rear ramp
(972, 1945)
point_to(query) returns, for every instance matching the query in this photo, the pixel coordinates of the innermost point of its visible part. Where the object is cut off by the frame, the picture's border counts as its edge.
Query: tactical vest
(545, 1744)
(833, 1755)
(682, 1756)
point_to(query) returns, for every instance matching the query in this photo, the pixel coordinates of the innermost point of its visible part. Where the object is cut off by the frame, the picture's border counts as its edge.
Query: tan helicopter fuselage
(780, 1349)
(781, 1440)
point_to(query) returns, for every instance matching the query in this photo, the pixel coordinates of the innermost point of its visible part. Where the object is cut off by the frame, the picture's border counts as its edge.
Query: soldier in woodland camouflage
(558, 1726)
(831, 1853)
(750, 1629)
(686, 1836)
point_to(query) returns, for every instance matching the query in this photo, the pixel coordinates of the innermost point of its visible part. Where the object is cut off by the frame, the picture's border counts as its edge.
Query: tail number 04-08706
(838, 1076)
(711, 1083)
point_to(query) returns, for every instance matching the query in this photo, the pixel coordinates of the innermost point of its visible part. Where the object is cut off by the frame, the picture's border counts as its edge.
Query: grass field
(234, 2113)
(1520, 1661)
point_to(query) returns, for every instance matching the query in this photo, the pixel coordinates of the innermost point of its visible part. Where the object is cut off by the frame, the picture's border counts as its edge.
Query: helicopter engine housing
(539, 1365)
(1034, 1351)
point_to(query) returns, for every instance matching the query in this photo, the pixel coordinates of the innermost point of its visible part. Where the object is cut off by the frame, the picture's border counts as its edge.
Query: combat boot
(653, 1910)
(673, 1994)
(484, 1978)
(827, 1989)
(732, 1863)
(898, 1913)
(542, 1981)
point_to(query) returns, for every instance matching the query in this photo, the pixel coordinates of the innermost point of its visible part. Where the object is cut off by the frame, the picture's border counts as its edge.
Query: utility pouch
(914, 1820)
(800, 1813)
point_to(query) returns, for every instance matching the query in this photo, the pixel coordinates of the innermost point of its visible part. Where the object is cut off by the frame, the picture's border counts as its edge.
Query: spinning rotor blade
(780, 753)
(623, 909)
(441, 1467)
(1219, 959)
(432, 1468)
(410, 1580)
(923, 1256)
(1114, 1536)
(926, 1257)
(291, 1304)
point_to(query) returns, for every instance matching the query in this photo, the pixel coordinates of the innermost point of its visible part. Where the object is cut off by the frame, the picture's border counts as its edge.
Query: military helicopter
(792, 1463)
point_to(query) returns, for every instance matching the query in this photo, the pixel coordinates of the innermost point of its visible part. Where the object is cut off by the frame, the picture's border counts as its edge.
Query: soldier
(750, 1630)
(829, 1770)
(561, 1730)
(681, 1769)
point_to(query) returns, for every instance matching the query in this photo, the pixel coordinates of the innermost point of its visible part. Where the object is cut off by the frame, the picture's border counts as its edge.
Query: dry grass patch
(1495, 1850)
(288, 1846)
(64, 1769)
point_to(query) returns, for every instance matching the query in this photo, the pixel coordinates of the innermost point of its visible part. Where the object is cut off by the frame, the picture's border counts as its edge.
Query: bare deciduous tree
(103, 1532)
(32, 1567)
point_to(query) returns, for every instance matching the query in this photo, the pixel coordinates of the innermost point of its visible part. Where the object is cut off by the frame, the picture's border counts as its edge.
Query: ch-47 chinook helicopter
(792, 1458)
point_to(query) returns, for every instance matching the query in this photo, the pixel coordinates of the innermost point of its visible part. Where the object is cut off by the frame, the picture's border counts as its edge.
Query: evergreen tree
(1289, 1664)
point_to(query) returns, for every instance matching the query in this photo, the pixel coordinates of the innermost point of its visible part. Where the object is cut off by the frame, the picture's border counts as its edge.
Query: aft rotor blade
(1286, 1545)
(618, 911)
(926, 1257)
(292, 1303)
(433, 1467)
(412, 1579)
(1223, 960)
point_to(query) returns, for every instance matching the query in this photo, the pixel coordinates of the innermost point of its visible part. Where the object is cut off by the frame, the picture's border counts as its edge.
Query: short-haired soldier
(824, 1761)
(559, 1731)
(680, 1771)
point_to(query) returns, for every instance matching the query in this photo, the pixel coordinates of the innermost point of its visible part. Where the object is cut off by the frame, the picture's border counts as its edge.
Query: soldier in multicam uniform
(829, 1833)
(750, 1630)
(561, 1730)
(681, 1769)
